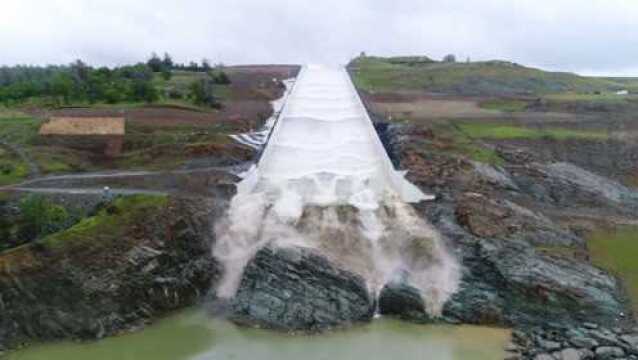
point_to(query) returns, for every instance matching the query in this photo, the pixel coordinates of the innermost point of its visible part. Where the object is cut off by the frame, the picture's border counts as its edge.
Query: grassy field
(478, 153)
(418, 109)
(450, 140)
(617, 250)
(504, 105)
(476, 78)
(495, 131)
(168, 147)
(145, 148)
(604, 97)
(19, 129)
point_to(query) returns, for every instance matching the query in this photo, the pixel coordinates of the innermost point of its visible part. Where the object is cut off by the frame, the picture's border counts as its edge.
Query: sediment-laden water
(192, 335)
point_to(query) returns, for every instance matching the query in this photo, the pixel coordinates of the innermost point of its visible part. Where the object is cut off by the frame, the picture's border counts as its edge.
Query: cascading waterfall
(324, 181)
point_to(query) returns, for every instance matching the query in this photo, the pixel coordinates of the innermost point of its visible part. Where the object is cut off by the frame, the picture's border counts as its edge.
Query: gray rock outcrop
(399, 298)
(299, 289)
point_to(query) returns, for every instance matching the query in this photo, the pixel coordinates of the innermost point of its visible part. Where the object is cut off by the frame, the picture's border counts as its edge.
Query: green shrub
(202, 92)
(41, 217)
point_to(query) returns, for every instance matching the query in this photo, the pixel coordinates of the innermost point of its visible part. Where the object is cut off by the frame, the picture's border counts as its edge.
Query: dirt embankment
(83, 126)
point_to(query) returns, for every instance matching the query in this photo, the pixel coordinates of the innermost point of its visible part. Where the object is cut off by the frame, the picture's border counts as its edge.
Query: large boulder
(399, 298)
(299, 289)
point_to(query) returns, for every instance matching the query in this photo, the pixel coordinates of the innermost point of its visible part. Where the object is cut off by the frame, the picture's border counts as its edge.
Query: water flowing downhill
(324, 181)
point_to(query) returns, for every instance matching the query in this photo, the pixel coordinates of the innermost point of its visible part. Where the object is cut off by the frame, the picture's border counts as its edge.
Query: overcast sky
(585, 36)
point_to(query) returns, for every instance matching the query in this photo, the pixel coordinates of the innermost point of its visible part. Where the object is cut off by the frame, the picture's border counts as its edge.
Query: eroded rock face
(298, 289)
(506, 281)
(498, 218)
(110, 284)
(590, 184)
(517, 232)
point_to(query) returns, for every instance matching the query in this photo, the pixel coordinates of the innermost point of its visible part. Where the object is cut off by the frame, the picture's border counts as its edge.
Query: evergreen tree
(206, 65)
(450, 58)
(167, 62)
(155, 63)
(62, 86)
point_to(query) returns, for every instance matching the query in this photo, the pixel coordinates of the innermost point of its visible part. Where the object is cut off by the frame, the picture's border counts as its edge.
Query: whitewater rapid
(324, 149)
(325, 181)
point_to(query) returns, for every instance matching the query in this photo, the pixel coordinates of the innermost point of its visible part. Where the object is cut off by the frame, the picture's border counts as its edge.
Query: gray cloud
(593, 36)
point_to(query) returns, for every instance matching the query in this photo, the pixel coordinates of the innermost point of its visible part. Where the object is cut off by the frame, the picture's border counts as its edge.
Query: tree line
(81, 83)
(166, 62)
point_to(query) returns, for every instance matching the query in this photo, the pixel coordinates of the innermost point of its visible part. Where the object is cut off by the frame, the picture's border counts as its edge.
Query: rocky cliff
(138, 258)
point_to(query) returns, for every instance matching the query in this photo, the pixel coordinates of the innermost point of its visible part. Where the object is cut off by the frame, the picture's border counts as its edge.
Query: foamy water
(324, 181)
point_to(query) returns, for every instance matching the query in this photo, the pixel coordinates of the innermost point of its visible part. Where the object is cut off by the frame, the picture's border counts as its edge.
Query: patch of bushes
(32, 218)
(202, 92)
(37, 220)
(77, 83)
(41, 217)
(12, 171)
(111, 220)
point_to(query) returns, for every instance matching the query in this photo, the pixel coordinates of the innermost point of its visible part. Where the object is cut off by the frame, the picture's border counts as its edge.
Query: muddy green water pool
(193, 335)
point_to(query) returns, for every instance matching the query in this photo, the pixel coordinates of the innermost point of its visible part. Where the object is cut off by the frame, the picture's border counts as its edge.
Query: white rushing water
(325, 181)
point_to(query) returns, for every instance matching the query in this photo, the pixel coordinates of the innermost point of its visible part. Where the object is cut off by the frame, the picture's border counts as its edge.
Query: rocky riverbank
(136, 259)
(586, 342)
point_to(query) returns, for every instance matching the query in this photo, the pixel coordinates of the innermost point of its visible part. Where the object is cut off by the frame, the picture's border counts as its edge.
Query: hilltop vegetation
(485, 78)
(82, 84)
(472, 109)
(196, 107)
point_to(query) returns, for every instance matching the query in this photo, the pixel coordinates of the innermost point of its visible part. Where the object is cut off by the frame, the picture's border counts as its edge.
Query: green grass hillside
(496, 131)
(108, 223)
(616, 250)
(375, 74)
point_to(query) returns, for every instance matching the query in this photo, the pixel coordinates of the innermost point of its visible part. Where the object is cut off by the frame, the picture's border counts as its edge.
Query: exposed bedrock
(399, 298)
(299, 289)
(108, 282)
(508, 280)
(514, 229)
